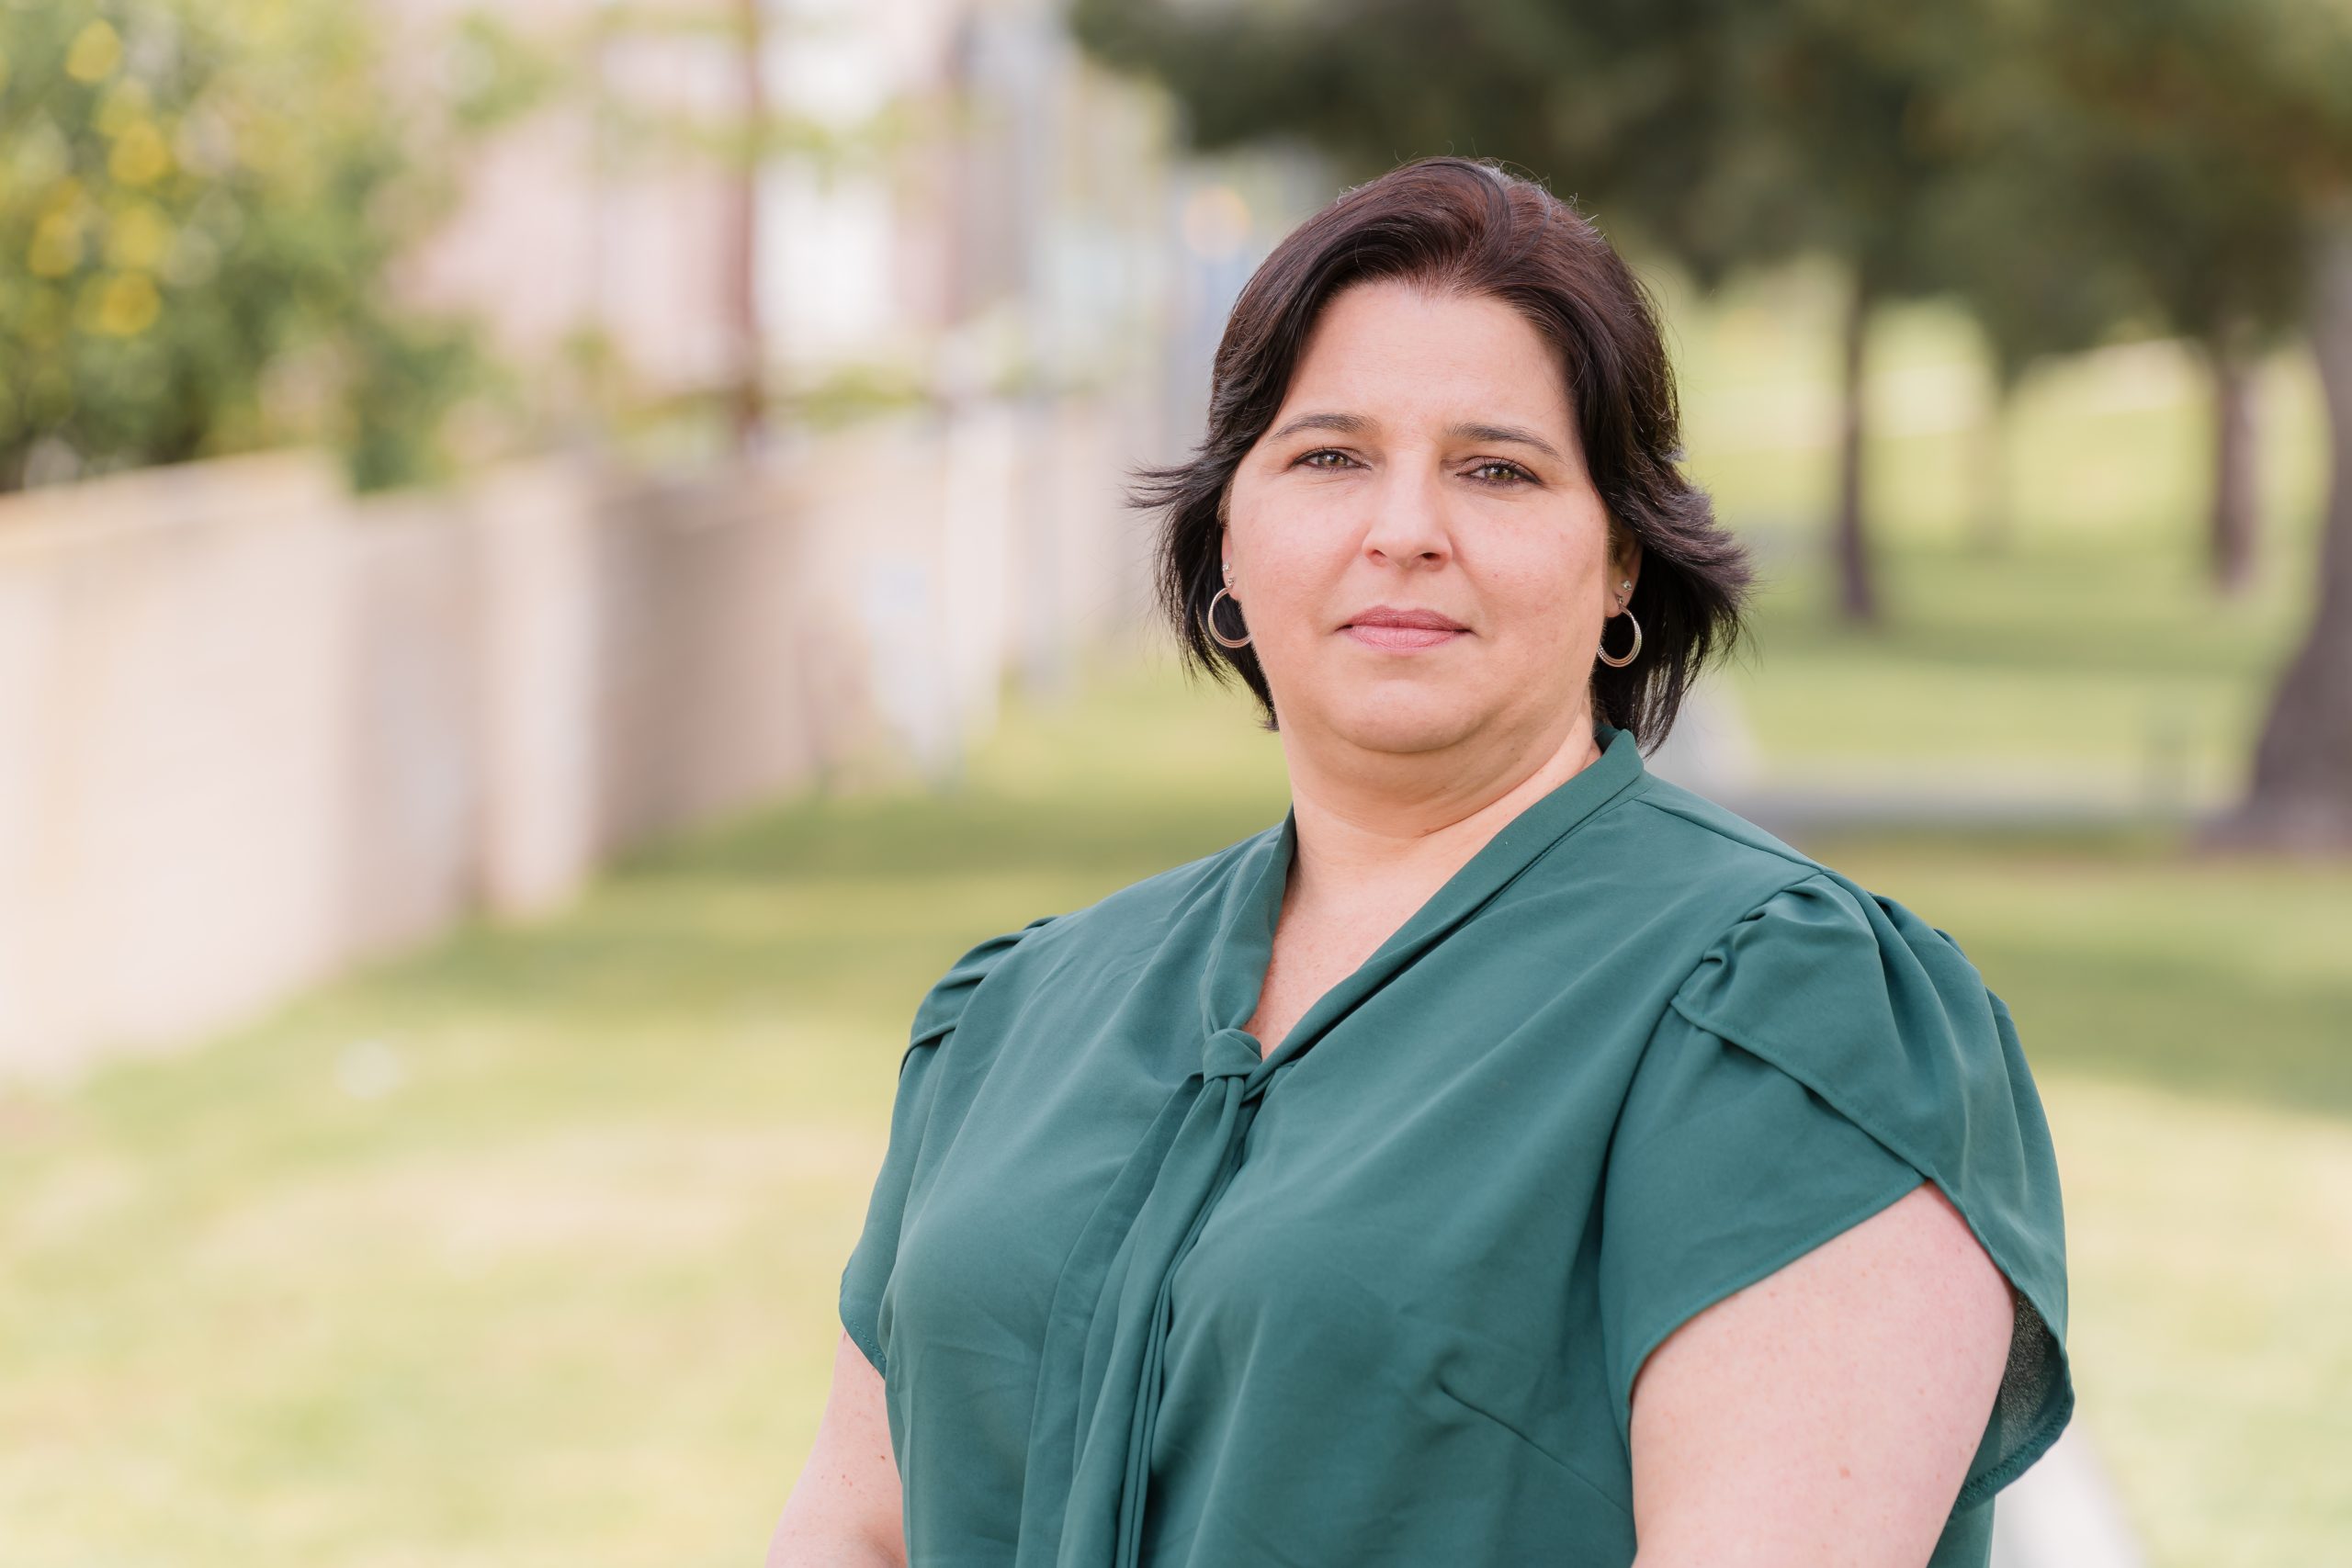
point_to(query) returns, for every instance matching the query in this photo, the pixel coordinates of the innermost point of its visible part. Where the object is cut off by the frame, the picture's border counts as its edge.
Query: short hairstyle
(1467, 226)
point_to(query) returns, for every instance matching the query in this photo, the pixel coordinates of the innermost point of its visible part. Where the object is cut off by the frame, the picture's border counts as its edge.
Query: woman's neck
(1416, 820)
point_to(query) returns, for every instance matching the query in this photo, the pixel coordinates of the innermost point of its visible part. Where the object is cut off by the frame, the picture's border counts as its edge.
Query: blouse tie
(1170, 1186)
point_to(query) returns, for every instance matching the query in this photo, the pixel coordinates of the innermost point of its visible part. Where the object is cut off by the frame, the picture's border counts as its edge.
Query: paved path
(1713, 750)
(2063, 1513)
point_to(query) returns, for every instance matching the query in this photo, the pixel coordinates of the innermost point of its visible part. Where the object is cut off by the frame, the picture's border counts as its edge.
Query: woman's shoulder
(1135, 918)
(1769, 894)
(1786, 942)
(1823, 962)
(1681, 867)
(1689, 835)
(1722, 871)
(1165, 896)
(1792, 959)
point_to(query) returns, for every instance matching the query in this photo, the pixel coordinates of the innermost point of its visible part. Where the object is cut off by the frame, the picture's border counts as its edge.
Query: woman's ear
(1625, 562)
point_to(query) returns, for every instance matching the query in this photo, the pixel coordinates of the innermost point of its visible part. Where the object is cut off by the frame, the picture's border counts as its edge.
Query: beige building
(991, 207)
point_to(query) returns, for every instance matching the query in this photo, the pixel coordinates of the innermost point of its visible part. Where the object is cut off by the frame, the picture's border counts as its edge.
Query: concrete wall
(252, 728)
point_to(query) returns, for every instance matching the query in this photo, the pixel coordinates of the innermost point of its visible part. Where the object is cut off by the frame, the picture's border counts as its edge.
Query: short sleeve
(912, 1119)
(1829, 1053)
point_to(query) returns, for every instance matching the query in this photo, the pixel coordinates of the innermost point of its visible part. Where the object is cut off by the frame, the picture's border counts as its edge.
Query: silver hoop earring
(1632, 652)
(1208, 616)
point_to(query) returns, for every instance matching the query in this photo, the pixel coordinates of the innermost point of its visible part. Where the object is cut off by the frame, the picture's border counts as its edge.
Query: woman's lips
(1400, 639)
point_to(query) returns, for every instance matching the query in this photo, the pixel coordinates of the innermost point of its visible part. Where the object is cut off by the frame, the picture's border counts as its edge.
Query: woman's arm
(1825, 1416)
(846, 1509)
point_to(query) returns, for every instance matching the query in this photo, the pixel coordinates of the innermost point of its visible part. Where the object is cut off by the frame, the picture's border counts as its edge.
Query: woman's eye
(1504, 473)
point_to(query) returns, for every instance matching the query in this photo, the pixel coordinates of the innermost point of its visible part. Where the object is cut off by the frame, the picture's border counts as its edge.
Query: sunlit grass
(2210, 1265)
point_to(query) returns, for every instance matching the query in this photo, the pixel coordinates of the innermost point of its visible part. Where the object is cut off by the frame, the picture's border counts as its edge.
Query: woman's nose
(1407, 522)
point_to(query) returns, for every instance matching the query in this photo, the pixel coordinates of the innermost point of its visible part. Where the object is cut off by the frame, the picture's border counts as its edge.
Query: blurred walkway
(1713, 750)
(2063, 1513)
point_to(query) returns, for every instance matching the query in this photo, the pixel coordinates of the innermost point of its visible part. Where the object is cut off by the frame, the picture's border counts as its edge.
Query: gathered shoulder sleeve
(1829, 1052)
(915, 1116)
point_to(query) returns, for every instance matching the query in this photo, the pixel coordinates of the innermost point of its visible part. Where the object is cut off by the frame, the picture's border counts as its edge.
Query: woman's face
(1425, 458)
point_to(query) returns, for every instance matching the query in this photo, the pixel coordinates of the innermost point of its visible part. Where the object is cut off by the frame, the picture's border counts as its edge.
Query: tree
(2126, 224)
(2261, 87)
(200, 202)
(740, 133)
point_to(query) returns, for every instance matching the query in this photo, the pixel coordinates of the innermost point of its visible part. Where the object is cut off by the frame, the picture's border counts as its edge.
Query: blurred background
(559, 562)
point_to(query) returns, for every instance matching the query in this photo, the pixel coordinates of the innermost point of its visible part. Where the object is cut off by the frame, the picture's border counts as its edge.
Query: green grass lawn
(523, 1250)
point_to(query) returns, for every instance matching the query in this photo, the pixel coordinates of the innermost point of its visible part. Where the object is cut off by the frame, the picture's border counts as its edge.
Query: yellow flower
(129, 305)
(96, 51)
(139, 238)
(140, 155)
(56, 249)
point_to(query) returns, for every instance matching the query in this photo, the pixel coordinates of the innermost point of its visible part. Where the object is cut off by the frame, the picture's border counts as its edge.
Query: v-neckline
(1234, 980)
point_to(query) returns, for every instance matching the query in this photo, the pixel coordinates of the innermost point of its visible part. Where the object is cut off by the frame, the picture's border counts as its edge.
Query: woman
(1509, 1156)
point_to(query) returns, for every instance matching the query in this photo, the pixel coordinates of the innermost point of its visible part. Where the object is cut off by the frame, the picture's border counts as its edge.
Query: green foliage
(2075, 171)
(200, 203)
(2079, 211)
(1687, 126)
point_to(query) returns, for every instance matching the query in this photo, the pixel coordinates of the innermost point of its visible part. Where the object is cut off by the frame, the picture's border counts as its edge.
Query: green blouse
(1140, 1296)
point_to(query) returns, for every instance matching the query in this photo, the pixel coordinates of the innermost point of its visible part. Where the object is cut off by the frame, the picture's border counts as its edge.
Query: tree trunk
(2236, 516)
(1992, 471)
(2300, 796)
(748, 397)
(1857, 590)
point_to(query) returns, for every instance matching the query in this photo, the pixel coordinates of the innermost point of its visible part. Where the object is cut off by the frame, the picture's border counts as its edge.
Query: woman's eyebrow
(1504, 432)
(1357, 425)
(1345, 424)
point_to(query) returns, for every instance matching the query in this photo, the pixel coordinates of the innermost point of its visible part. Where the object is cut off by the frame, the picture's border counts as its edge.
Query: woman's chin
(1406, 724)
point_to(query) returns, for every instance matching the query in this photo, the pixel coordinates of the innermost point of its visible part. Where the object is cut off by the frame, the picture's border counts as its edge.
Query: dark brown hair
(1467, 226)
